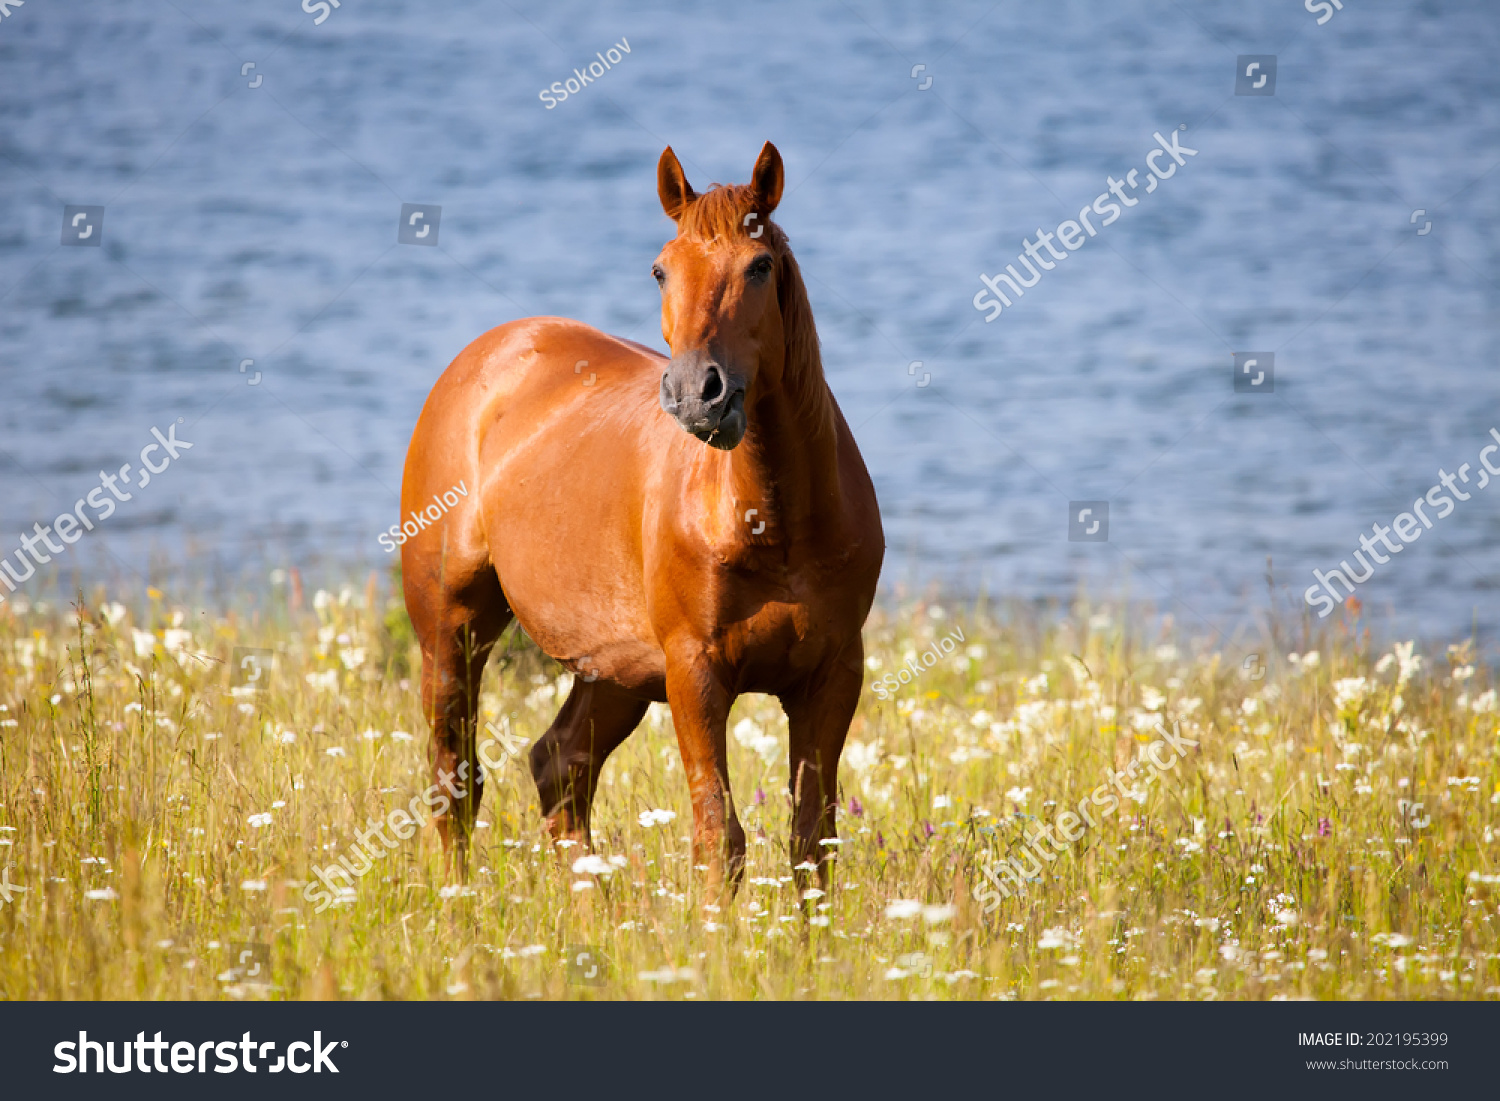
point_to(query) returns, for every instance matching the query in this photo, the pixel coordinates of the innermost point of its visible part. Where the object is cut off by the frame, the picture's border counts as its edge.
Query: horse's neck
(788, 464)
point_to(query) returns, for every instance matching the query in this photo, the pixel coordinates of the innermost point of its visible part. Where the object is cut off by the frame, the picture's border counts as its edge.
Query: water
(258, 223)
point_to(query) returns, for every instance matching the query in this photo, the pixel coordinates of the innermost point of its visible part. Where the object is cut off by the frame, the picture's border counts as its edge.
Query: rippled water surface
(259, 223)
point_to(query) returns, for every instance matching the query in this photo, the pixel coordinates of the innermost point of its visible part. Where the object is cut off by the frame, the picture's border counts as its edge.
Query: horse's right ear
(767, 178)
(672, 185)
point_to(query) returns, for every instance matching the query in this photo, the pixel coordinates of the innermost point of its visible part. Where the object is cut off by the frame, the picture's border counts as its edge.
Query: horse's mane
(720, 212)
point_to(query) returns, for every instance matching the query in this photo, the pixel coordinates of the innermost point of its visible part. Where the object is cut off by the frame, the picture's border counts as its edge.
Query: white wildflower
(902, 909)
(327, 681)
(1055, 938)
(592, 865)
(749, 734)
(1349, 691)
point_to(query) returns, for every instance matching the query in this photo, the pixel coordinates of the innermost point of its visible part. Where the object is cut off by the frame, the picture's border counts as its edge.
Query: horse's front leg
(700, 713)
(818, 718)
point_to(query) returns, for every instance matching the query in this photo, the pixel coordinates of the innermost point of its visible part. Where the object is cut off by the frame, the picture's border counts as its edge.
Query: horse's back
(533, 353)
(501, 390)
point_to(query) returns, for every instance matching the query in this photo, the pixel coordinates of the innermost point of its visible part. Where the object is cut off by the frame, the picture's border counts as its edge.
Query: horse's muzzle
(705, 401)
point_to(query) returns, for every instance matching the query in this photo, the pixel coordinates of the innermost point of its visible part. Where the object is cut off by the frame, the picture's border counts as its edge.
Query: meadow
(1331, 835)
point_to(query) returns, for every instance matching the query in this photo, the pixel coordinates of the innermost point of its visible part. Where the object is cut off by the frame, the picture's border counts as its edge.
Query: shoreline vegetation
(170, 776)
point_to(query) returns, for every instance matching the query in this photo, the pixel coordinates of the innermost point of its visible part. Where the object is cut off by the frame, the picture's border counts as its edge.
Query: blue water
(260, 223)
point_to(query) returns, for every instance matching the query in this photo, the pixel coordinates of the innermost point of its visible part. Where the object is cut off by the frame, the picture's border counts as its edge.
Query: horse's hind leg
(456, 632)
(566, 761)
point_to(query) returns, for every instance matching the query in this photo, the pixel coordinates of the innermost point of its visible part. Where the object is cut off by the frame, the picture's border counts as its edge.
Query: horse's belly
(564, 539)
(577, 602)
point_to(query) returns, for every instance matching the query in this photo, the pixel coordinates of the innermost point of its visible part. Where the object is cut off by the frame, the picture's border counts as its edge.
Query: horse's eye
(760, 270)
(657, 274)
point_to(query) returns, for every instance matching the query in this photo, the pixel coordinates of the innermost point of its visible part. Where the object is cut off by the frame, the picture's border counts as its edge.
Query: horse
(679, 530)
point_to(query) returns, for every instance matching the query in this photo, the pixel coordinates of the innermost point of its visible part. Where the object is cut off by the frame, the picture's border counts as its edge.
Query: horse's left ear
(768, 178)
(672, 185)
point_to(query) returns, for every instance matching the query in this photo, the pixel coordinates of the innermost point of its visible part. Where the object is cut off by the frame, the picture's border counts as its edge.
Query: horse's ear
(768, 178)
(672, 185)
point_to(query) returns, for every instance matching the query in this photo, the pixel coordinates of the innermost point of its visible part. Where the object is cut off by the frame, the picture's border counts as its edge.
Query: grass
(1331, 836)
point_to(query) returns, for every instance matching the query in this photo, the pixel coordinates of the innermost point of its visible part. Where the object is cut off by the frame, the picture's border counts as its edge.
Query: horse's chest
(786, 623)
(781, 644)
(792, 588)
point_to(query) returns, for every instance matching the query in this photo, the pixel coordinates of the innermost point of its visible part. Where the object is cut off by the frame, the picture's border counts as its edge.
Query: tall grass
(1332, 835)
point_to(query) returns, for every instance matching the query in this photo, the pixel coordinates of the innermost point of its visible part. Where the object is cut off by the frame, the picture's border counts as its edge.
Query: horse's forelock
(721, 212)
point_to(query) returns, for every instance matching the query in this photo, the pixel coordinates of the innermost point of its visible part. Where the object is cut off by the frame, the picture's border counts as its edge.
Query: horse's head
(720, 312)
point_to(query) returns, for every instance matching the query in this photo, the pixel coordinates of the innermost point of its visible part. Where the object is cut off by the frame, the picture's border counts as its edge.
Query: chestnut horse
(682, 529)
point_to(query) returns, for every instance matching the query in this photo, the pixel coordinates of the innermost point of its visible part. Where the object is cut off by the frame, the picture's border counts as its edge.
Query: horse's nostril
(713, 385)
